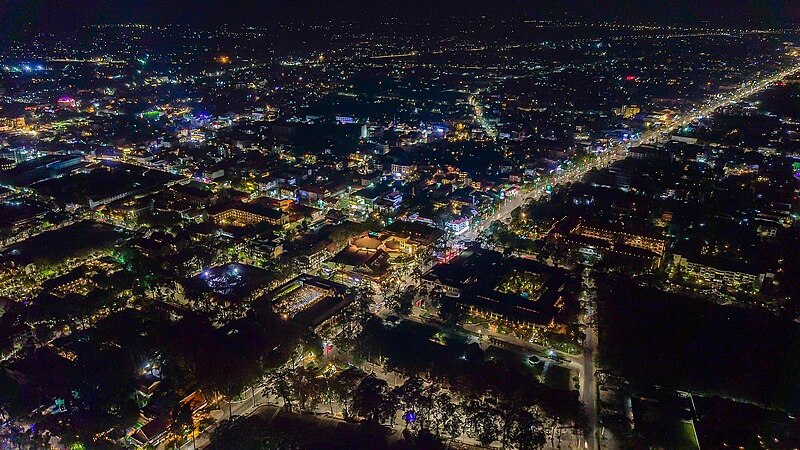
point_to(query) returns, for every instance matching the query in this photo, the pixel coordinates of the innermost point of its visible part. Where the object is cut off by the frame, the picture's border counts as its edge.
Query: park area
(276, 428)
(412, 347)
(684, 343)
(665, 422)
(54, 247)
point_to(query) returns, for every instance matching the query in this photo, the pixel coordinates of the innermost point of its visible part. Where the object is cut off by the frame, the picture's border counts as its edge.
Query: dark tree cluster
(699, 346)
(98, 386)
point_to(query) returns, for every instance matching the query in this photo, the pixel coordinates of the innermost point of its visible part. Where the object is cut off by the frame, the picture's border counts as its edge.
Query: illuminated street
(399, 225)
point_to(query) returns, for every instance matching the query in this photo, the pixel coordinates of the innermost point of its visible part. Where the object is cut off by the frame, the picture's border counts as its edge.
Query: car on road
(392, 320)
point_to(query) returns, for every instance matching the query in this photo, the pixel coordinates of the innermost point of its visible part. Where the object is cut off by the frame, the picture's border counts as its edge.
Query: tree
(355, 318)
(101, 391)
(363, 300)
(252, 433)
(406, 301)
(388, 288)
(482, 421)
(342, 388)
(402, 302)
(412, 395)
(435, 296)
(12, 401)
(450, 311)
(22, 440)
(521, 429)
(182, 422)
(305, 387)
(311, 343)
(372, 401)
(447, 417)
(279, 383)
(341, 234)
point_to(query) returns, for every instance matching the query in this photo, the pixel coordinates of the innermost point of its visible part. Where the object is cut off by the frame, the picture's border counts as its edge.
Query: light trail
(620, 151)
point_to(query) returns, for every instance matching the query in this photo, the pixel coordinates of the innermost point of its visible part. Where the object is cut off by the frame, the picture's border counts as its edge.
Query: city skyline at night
(399, 225)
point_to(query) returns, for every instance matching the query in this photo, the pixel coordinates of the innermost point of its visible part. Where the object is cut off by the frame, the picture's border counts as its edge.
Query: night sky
(44, 15)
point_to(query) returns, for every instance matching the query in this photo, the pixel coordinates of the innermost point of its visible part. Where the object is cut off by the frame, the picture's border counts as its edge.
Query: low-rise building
(247, 213)
(312, 302)
(721, 272)
(512, 292)
(611, 239)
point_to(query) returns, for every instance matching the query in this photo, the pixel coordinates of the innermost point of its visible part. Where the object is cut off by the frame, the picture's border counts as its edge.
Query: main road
(576, 171)
(585, 362)
(617, 152)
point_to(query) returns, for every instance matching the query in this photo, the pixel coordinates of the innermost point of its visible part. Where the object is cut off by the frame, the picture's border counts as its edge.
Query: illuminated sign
(345, 119)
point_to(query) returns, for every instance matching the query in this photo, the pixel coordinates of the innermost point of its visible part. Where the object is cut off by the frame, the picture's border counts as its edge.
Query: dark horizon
(50, 15)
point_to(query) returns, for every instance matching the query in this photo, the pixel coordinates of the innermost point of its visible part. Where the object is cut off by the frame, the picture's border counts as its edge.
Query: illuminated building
(193, 194)
(35, 170)
(638, 240)
(244, 214)
(129, 209)
(312, 302)
(402, 171)
(312, 194)
(480, 280)
(458, 226)
(8, 123)
(607, 238)
(390, 202)
(345, 119)
(398, 238)
(152, 433)
(316, 257)
(362, 260)
(67, 102)
(627, 111)
(651, 154)
(721, 272)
